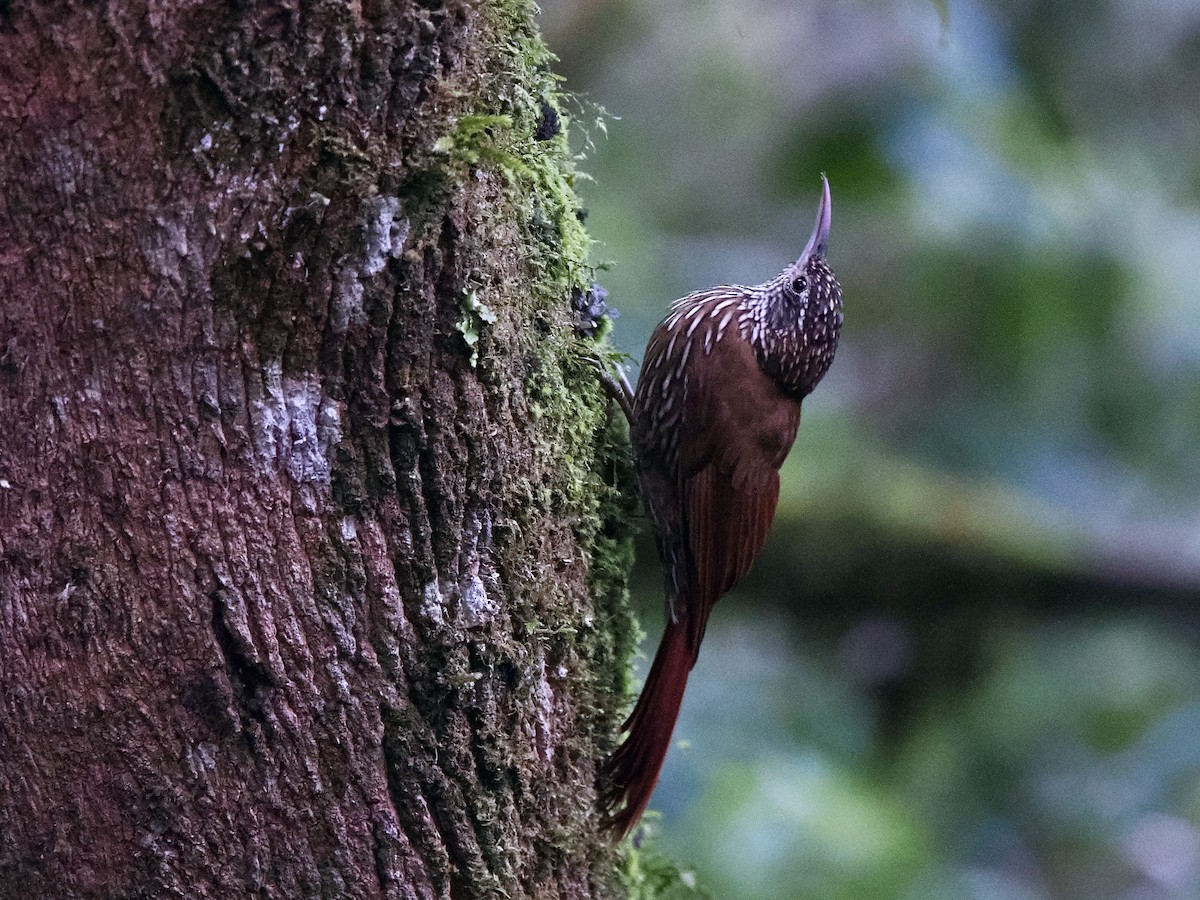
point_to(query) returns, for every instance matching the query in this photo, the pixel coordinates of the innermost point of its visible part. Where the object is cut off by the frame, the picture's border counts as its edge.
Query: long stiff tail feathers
(628, 776)
(728, 526)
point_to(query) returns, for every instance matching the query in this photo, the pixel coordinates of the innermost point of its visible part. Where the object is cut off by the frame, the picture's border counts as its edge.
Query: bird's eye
(800, 284)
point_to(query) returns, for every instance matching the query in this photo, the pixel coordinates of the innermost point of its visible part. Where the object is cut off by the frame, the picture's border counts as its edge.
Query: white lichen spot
(477, 606)
(264, 403)
(329, 426)
(202, 758)
(349, 529)
(305, 461)
(544, 718)
(432, 604)
(293, 425)
(383, 236)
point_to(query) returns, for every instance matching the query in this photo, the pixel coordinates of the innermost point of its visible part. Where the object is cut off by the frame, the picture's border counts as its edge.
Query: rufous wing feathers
(726, 530)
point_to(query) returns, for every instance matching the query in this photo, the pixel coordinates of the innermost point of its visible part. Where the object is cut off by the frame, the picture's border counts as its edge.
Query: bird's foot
(612, 378)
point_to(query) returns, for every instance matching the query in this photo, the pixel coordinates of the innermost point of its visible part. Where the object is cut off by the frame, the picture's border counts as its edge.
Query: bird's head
(801, 311)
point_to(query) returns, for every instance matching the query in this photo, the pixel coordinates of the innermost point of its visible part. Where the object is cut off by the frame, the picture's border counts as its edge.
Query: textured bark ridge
(311, 537)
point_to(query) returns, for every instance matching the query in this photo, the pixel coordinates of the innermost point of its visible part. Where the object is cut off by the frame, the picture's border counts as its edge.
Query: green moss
(507, 133)
(648, 874)
(484, 140)
(517, 225)
(612, 559)
(577, 427)
(475, 315)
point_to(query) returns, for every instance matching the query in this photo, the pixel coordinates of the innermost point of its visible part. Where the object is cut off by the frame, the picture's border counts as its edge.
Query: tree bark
(312, 526)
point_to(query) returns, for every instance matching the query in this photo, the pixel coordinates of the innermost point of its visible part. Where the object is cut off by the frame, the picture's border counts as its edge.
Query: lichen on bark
(296, 599)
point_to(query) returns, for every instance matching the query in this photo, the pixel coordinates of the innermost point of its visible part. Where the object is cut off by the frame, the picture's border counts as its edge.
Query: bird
(713, 417)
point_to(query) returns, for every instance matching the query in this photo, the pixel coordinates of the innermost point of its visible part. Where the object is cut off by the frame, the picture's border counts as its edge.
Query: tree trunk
(312, 526)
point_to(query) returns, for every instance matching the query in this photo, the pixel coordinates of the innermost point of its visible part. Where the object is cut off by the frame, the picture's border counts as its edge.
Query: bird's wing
(729, 478)
(726, 531)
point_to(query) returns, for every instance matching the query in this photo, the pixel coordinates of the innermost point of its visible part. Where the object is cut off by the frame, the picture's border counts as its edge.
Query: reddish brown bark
(294, 600)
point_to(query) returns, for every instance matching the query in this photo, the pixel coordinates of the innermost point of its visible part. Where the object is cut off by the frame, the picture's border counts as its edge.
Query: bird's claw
(615, 385)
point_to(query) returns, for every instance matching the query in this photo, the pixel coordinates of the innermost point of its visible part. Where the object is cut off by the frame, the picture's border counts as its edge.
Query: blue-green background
(966, 666)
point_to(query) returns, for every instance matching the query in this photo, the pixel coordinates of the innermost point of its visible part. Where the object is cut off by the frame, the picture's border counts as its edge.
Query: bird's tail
(627, 777)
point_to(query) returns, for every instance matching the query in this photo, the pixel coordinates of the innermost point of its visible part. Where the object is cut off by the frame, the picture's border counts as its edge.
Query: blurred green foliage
(965, 666)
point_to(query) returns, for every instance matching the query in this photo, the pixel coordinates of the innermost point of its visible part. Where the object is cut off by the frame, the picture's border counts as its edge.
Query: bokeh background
(966, 666)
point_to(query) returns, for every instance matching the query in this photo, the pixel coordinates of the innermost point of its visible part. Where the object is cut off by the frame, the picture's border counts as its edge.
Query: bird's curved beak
(819, 242)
